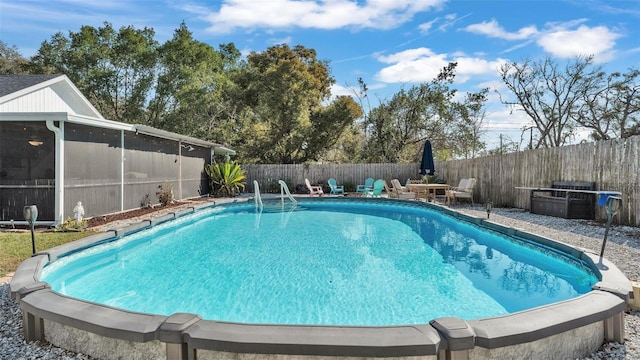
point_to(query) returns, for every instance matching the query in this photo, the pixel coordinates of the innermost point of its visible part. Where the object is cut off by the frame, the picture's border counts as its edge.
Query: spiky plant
(226, 178)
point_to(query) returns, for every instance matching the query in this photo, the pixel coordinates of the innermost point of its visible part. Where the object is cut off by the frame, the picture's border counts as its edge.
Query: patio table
(428, 191)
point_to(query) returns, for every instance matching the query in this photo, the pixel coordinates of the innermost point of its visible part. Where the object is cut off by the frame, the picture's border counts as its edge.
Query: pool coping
(606, 302)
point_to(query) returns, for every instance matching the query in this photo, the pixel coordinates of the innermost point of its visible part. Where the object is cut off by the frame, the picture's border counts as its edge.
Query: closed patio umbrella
(427, 167)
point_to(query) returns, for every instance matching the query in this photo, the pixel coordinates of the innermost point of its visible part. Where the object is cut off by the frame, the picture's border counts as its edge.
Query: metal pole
(33, 240)
(611, 212)
(30, 213)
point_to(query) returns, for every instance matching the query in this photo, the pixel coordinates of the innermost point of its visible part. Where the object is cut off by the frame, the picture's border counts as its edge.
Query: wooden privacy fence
(348, 175)
(613, 165)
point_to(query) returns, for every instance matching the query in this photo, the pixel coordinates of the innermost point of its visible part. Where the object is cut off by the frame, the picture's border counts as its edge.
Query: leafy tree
(348, 148)
(230, 56)
(115, 70)
(51, 57)
(11, 61)
(550, 95)
(134, 66)
(282, 94)
(328, 125)
(465, 137)
(612, 108)
(189, 95)
(397, 128)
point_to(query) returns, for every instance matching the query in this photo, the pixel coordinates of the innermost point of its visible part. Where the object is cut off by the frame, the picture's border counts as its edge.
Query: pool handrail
(257, 198)
(285, 189)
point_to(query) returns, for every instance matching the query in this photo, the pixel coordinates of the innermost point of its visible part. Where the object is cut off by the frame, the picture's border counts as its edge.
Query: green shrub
(225, 179)
(434, 179)
(72, 224)
(273, 187)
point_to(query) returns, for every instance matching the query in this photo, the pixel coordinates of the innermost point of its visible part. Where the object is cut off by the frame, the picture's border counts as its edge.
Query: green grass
(16, 247)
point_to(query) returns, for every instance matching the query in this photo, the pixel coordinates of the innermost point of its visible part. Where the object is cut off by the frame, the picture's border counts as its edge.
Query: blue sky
(389, 43)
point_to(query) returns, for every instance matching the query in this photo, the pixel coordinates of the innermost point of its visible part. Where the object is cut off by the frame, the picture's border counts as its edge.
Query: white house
(56, 149)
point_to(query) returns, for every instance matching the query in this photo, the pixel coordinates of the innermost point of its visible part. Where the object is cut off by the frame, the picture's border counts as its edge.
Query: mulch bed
(105, 219)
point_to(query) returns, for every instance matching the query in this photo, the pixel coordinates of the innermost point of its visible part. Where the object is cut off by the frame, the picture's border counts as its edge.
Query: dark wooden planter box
(568, 205)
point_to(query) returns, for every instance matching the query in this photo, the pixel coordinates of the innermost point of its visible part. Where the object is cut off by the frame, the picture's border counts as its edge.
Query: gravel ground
(623, 248)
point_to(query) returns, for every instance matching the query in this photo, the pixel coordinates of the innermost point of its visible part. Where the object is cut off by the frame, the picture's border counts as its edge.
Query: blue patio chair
(335, 189)
(377, 188)
(368, 185)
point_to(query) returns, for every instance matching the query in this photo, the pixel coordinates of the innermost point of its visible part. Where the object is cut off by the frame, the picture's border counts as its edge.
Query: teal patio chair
(335, 189)
(377, 188)
(368, 185)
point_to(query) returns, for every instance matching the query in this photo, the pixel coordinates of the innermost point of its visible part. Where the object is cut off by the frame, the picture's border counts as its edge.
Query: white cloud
(425, 27)
(246, 51)
(351, 90)
(565, 43)
(338, 90)
(561, 39)
(422, 64)
(469, 66)
(415, 65)
(23, 14)
(518, 46)
(506, 118)
(496, 86)
(493, 29)
(285, 40)
(451, 19)
(446, 22)
(317, 14)
(406, 55)
(376, 86)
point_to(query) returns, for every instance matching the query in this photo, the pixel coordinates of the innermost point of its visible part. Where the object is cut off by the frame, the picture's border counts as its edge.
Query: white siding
(52, 99)
(77, 104)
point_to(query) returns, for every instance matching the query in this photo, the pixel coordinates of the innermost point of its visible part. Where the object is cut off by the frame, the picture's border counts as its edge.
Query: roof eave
(222, 150)
(63, 116)
(218, 149)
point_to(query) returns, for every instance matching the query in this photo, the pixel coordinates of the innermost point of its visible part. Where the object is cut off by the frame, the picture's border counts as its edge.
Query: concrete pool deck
(572, 328)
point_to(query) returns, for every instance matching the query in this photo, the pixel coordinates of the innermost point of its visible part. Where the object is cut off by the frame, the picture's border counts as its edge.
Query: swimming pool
(389, 243)
(321, 264)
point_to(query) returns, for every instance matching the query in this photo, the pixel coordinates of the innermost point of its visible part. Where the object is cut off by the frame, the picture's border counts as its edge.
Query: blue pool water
(321, 264)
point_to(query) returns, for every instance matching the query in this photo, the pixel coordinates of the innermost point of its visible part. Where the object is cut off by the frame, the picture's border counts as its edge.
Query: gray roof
(12, 83)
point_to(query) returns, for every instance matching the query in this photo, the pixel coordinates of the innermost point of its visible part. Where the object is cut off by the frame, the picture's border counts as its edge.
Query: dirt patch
(101, 220)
